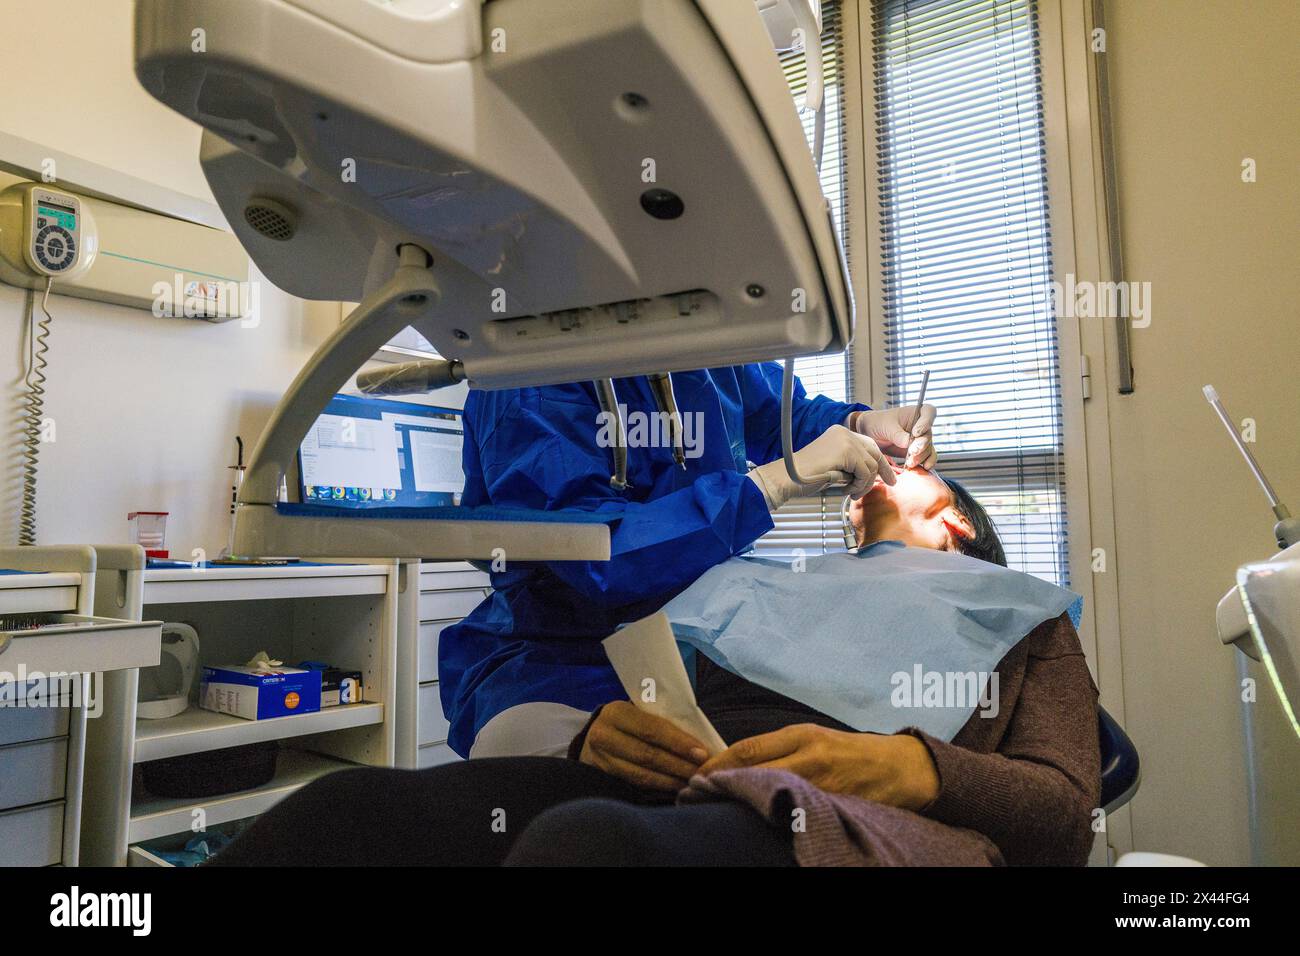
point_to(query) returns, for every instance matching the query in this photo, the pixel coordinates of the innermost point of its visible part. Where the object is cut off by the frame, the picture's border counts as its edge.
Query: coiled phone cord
(38, 334)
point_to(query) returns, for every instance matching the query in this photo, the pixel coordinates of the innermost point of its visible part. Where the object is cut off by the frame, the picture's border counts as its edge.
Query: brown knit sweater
(1029, 779)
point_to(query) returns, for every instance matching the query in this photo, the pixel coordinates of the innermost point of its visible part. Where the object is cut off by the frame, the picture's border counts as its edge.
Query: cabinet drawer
(32, 723)
(33, 772)
(449, 605)
(446, 580)
(32, 836)
(136, 855)
(434, 755)
(427, 659)
(75, 642)
(433, 726)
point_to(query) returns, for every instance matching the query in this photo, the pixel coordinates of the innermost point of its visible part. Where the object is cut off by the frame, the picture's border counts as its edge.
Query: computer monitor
(376, 453)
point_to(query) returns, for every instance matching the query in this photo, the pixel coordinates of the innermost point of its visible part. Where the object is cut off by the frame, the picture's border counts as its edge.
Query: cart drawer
(32, 723)
(434, 727)
(446, 605)
(433, 755)
(32, 836)
(430, 631)
(78, 643)
(136, 855)
(446, 580)
(33, 772)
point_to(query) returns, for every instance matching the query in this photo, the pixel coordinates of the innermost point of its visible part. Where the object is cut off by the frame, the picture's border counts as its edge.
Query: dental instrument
(920, 400)
(475, 170)
(661, 384)
(608, 398)
(846, 525)
(1287, 529)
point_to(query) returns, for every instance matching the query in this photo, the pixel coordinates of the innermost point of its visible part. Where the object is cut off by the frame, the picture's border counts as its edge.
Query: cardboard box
(340, 686)
(259, 694)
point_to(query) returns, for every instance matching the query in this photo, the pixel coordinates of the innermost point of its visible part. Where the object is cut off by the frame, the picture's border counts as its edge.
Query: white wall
(91, 106)
(145, 409)
(1197, 86)
(145, 413)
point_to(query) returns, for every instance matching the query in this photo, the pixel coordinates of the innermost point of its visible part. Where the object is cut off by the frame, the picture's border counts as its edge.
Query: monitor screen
(375, 453)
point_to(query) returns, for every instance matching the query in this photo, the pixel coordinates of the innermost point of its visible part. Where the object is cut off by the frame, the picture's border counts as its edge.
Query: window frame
(1077, 216)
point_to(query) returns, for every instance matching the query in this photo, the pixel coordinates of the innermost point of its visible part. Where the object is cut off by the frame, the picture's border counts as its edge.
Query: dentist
(523, 672)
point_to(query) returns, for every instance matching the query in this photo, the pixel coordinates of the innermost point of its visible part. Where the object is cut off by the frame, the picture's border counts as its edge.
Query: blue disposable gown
(537, 636)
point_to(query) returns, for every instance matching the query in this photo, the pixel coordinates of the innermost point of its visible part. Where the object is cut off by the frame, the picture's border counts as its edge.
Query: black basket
(213, 772)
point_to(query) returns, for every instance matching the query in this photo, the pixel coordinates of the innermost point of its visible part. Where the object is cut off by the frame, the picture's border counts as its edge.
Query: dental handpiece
(661, 385)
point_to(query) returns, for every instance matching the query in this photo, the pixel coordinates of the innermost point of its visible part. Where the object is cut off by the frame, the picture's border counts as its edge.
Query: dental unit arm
(1260, 616)
(547, 190)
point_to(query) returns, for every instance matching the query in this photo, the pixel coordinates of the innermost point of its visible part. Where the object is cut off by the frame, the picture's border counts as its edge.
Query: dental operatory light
(477, 171)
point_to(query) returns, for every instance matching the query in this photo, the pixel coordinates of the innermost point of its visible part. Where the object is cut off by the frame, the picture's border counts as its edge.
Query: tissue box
(254, 694)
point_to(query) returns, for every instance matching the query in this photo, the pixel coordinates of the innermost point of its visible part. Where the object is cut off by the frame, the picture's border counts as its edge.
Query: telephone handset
(46, 232)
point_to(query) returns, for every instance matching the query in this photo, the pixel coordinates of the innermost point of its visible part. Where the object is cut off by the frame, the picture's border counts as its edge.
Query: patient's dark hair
(985, 545)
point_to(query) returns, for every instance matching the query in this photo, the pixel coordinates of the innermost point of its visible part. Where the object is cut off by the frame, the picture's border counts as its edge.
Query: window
(827, 374)
(966, 256)
(813, 524)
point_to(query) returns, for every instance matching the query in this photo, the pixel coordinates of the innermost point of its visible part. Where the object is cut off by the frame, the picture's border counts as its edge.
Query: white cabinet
(55, 661)
(344, 614)
(436, 595)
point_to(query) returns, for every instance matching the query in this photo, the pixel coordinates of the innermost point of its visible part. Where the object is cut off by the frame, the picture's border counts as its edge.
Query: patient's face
(917, 510)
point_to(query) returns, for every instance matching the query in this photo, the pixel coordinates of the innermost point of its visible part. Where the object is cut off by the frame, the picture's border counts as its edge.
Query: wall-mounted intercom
(44, 233)
(109, 252)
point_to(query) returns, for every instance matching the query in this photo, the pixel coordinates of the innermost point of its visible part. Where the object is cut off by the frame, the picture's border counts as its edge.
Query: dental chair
(1121, 772)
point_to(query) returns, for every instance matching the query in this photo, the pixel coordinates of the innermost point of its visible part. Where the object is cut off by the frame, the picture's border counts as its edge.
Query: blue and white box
(259, 694)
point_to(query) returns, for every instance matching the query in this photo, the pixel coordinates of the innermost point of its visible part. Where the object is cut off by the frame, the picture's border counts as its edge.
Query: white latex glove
(837, 456)
(901, 432)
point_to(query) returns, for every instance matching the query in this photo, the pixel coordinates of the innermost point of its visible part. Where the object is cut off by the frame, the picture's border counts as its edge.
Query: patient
(1018, 786)
(923, 510)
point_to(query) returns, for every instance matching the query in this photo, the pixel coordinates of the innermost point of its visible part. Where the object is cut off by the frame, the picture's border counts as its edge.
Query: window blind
(812, 525)
(827, 374)
(966, 253)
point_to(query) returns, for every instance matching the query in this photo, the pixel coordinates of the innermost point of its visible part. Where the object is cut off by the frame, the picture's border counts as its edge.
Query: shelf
(190, 585)
(196, 730)
(153, 817)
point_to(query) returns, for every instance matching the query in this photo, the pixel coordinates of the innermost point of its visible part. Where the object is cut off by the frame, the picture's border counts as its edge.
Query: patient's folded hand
(644, 749)
(892, 769)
